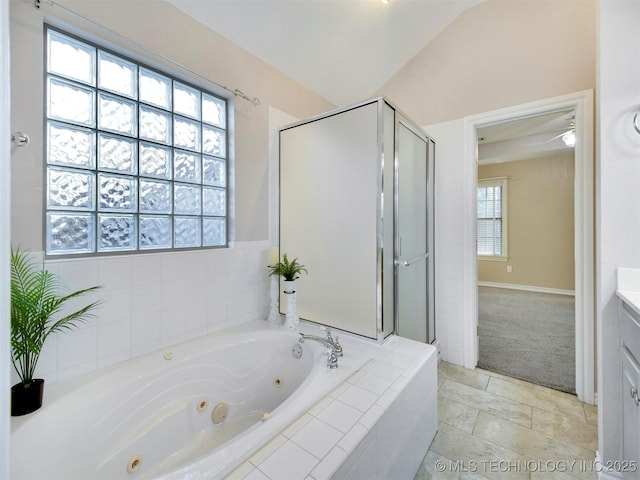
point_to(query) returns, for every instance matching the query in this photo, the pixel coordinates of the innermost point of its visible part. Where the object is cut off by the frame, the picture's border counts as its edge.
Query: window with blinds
(491, 217)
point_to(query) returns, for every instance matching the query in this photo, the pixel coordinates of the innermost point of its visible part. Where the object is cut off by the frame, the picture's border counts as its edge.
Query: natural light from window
(136, 159)
(491, 218)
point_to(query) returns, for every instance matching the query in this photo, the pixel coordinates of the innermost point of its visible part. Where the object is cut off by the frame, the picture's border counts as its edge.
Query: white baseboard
(436, 343)
(608, 476)
(603, 473)
(529, 288)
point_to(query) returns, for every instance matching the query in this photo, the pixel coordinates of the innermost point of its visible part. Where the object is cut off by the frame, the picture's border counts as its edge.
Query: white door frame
(5, 234)
(582, 103)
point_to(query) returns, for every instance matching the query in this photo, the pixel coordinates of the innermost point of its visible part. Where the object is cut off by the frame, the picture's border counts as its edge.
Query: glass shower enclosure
(356, 207)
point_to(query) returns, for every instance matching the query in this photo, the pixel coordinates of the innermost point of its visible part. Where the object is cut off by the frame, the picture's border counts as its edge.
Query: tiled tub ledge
(378, 424)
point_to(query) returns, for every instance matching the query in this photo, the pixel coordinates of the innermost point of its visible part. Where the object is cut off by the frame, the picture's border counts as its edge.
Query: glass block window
(136, 158)
(492, 217)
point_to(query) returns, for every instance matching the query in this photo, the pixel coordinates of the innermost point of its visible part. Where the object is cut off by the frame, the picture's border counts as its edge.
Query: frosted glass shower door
(412, 254)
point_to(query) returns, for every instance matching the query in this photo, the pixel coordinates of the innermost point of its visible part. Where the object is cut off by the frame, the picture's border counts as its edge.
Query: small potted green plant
(289, 271)
(36, 313)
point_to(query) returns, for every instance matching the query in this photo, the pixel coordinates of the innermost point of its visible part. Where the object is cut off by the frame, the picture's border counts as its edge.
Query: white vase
(289, 286)
(291, 320)
(274, 311)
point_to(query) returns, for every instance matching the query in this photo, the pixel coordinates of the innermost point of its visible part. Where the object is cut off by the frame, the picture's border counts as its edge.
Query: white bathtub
(155, 411)
(158, 409)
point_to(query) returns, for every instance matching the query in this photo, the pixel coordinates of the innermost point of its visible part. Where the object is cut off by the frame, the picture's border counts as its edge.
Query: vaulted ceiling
(344, 50)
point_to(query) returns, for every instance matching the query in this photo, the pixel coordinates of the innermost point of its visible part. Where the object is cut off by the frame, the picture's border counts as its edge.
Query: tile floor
(493, 426)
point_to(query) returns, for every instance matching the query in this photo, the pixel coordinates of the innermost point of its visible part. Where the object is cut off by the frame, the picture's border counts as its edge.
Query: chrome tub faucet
(329, 342)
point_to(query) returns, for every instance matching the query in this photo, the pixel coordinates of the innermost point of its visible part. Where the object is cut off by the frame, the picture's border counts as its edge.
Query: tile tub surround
(377, 424)
(153, 300)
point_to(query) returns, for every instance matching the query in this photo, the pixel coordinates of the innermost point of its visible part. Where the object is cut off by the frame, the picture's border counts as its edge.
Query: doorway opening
(525, 247)
(582, 104)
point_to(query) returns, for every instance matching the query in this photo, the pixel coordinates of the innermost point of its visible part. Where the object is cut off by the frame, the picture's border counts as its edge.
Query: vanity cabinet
(630, 396)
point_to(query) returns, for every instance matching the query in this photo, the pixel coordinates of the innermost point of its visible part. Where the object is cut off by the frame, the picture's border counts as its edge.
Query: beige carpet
(528, 335)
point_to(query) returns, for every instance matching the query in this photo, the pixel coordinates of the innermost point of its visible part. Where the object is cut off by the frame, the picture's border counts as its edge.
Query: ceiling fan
(568, 136)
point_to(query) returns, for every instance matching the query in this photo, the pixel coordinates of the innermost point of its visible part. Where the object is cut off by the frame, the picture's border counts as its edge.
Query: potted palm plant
(289, 271)
(36, 313)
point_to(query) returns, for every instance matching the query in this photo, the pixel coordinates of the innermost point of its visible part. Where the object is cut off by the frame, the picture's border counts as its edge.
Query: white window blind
(491, 217)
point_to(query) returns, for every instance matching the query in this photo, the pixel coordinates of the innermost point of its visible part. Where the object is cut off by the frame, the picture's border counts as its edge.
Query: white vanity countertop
(628, 288)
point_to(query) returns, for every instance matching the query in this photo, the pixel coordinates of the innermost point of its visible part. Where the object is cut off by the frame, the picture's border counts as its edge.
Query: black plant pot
(26, 397)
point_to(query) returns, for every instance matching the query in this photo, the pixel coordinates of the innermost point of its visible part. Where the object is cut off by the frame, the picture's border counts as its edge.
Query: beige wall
(497, 54)
(161, 28)
(540, 223)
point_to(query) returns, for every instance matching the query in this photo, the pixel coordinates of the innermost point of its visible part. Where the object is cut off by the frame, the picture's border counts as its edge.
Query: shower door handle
(411, 261)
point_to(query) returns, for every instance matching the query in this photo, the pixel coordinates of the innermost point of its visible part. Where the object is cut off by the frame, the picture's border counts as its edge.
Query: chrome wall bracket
(21, 139)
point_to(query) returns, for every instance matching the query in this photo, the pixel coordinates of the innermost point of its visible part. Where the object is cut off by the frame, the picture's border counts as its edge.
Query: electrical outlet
(509, 269)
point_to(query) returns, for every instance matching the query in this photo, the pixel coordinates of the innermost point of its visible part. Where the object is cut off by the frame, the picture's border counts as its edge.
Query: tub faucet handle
(332, 359)
(329, 337)
(337, 342)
